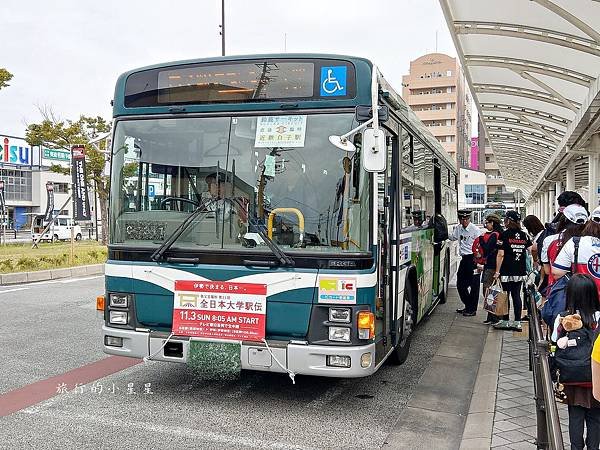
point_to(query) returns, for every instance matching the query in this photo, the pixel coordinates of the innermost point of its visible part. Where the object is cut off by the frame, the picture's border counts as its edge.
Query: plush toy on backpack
(572, 357)
(568, 323)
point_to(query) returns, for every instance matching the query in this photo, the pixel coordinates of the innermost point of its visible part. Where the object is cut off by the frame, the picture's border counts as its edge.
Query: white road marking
(62, 281)
(201, 435)
(74, 280)
(14, 290)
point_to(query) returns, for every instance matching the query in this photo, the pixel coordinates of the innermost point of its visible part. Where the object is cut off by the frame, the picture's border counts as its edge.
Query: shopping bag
(496, 300)
(501, 304)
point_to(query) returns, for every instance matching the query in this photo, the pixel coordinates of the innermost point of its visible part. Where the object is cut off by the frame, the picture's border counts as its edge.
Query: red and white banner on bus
(220, 310)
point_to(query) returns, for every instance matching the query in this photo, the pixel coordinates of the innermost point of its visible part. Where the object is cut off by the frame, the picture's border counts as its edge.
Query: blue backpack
(557, 298)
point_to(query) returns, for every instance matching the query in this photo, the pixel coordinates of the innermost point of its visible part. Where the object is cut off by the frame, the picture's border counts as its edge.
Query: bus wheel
(401, 351)
(54, 237)
(444, 294)
(78, 237)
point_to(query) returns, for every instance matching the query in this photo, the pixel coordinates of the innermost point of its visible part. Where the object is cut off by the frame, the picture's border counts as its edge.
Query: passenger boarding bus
(261, 203)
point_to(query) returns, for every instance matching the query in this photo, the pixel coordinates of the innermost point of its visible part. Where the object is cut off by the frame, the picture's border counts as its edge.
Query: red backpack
(478, 253)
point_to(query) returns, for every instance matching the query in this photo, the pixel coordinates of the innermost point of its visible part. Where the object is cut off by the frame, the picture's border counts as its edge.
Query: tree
(56, 133)
(5, 77)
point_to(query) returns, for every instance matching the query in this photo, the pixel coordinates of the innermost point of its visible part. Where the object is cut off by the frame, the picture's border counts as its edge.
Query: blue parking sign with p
(151, 191)
(333, 81)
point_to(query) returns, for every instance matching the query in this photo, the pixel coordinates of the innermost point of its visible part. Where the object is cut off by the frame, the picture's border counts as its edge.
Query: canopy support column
(594, 169)
(570, 176)
(558, 190)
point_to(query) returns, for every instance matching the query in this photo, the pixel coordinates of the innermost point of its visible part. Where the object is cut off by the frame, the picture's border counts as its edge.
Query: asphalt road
(49, 328)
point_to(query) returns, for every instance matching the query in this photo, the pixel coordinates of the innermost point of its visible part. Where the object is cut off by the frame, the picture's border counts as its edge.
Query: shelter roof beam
(540, 152)
(544, 130)
(520, 120)
(520, 65)
(505, 107)
(552, 97)
(528, 32)
(566, 103)
(573, 20)
(521, 134)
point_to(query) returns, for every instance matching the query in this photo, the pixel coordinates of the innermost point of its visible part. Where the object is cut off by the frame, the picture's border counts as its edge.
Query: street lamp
(222, 27)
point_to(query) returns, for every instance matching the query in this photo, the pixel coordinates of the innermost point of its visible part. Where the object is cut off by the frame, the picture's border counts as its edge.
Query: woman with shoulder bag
(489, 248)
(582, 319)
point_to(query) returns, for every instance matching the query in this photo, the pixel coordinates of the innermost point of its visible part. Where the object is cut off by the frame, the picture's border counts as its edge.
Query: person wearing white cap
(570, 224)
(588, 254)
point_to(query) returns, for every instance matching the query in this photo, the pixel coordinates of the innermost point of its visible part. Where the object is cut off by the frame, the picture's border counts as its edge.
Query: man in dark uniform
(467, 276)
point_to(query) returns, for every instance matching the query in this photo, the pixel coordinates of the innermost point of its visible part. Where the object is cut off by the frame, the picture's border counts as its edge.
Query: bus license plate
(215, 360)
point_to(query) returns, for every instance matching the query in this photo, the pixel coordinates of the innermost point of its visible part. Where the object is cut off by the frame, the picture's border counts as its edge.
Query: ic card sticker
(337, 290)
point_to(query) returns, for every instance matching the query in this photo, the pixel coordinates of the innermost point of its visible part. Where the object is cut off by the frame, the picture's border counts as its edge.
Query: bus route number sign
(220, 310)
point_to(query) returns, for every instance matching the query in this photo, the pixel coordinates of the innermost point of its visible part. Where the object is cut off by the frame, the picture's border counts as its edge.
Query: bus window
(407, 179)
(424, 201)
(307, 192)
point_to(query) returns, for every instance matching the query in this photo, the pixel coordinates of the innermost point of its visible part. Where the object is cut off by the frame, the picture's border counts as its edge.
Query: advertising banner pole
(36, 242)
(3, 206)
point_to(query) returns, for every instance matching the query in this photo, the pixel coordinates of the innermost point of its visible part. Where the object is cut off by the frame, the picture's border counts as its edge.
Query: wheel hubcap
(408, 322)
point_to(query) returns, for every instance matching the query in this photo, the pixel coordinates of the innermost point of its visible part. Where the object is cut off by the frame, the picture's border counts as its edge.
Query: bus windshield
(277, 174)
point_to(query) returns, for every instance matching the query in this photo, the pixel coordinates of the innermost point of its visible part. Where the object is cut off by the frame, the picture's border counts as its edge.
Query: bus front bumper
(296, 357)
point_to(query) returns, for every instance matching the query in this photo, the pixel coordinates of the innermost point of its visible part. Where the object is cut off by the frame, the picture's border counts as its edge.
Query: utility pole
(222, 27)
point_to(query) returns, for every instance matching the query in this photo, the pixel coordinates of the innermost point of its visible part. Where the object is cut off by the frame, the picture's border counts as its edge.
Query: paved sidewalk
(515, 417)
(437, 411)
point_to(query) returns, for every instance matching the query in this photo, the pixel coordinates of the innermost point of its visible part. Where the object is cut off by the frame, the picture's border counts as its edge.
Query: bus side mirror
(373, 154)
(362, 113)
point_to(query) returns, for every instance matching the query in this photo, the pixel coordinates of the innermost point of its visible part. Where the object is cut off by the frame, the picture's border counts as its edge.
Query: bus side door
(388, 235)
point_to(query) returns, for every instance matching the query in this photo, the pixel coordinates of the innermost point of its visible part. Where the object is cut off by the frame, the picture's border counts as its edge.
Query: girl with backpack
(511, 266)
(582, 299)
(569, 225)
(487, 250)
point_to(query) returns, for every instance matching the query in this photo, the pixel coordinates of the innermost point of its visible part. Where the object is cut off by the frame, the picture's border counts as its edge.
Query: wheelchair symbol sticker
(333, 81)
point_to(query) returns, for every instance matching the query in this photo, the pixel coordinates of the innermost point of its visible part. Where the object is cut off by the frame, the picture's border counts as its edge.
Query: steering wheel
(181, 200)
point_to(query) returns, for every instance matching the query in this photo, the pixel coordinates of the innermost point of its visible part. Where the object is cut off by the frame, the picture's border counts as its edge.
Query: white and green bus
(262, 203)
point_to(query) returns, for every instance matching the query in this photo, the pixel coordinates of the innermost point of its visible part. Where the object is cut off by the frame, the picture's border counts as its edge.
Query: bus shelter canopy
(532, 67)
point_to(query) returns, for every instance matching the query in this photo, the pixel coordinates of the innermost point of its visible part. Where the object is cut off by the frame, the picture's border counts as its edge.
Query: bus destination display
(240, 82)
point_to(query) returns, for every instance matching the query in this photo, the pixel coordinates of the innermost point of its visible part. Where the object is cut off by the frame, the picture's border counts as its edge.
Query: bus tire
(78, 237)
(54, 238)
(444, 294)
(402, 349)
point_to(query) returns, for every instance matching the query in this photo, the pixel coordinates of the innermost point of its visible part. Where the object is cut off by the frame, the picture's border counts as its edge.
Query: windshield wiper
(284, 259)
(165, 246)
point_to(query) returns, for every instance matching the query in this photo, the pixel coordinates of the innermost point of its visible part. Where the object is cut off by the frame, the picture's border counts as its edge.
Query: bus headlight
(119, 300)
(339, 334)
(340, 315)
(118, 317)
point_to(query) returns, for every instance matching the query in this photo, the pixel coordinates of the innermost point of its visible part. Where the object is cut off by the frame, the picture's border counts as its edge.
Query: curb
(477, 433)
(52, 274)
